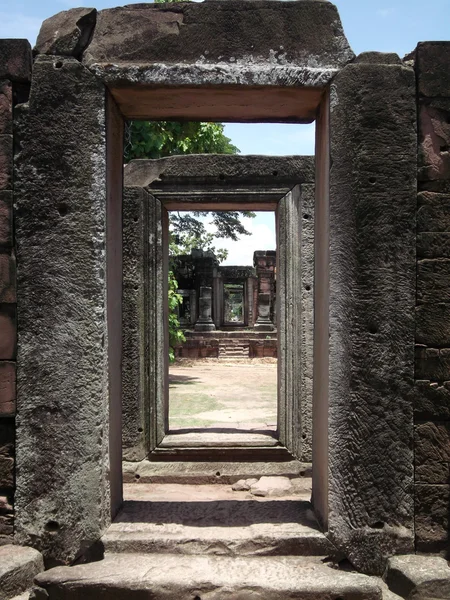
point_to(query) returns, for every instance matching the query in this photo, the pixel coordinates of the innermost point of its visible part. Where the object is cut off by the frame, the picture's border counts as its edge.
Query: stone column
(366, 349)
(204, 321)
(263, 322)
(69, 376)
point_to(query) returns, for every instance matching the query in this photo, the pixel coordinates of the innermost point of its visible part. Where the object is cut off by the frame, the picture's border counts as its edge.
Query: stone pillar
(15, 74)
(365, 446)
(265, 266)
(432, 368)
(204, 321)
(68, 195)
(263, 322)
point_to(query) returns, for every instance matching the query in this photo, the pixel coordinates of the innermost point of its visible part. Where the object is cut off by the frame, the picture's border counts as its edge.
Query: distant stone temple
(226, 310)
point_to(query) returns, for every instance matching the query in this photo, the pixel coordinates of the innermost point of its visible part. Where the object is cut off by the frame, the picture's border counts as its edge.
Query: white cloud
(241, 252)
(17, 25)
(385, 12)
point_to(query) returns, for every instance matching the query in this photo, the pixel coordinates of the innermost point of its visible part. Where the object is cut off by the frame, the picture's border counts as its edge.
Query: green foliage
(154, 139)
(176, 336)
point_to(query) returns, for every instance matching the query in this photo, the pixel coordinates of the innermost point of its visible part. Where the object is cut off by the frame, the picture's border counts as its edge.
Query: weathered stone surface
(372, 294)
(306, 34)
(378, 58)
(15, 60)
(432, 364)
(431, 401)
(433, 245)
(6, 471)
(433, 281)
(271, 486)
(6, 101)
(226, 170)
(432, 62)
(209, 472)
(419, 577)
(214, 577)
(18, 567)
(187, 522)
(307, 330)
(8, 339)
(433, 324)
(62, 498)
(432, 452)
(434, 131)
(7, 278)
(432, 518)
(243, 485)
(6, 162)
(67, 33)
(7, 389)
(135, 335)
(6, 233)
(433, 212)
(143, 325)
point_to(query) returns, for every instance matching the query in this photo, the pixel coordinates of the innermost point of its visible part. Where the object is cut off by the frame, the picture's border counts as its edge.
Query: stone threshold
(219, 438)
(210, 471)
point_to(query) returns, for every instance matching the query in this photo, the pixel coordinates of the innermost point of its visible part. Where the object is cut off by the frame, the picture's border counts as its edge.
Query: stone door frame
(68, 198)
(146, 399)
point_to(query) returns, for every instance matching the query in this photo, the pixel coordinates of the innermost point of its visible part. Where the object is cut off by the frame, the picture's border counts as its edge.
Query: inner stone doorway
(216, 182)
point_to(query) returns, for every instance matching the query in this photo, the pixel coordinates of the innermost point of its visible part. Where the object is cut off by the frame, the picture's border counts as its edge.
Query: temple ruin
(363, 388)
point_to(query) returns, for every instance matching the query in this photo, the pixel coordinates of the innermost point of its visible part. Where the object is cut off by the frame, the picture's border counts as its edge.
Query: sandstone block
(6, 526)
(271, 486)
(6, 233)
(7, 389)
(67, 33)
(432, 364)
(432, 453)
(7, 278)
(433, 74)
(371, 319)
(419, 577)
(6, 161)
(6, 472)
(6, 100)
(8, 332)
(64, 359)
(231, 33)
(434, 133)
(432, 518)
(433, 212)
(431, 400)
(433, 245)
(433, 324)
(18, 568)
(433, 281)
(15, 60)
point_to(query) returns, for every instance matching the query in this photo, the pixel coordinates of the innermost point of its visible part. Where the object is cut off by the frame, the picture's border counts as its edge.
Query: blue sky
(383, 25)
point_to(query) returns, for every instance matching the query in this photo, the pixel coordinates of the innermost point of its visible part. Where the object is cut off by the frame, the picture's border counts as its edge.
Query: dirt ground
(223, 395)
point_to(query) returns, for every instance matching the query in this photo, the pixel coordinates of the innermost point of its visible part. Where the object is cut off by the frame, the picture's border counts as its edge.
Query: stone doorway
(281, 184)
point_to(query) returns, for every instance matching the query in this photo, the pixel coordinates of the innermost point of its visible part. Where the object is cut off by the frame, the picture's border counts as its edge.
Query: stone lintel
(302, 33)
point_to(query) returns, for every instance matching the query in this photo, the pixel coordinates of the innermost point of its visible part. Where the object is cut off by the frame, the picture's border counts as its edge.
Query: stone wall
(15, 73)
(432, 368)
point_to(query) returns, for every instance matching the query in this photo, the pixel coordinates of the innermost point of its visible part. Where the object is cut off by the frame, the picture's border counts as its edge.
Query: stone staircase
(185, 542)
(233, 348)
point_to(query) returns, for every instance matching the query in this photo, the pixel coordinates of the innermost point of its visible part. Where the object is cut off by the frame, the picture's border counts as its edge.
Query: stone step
(178, 577)
(205, 439)
(18, 567)
(231, 525)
